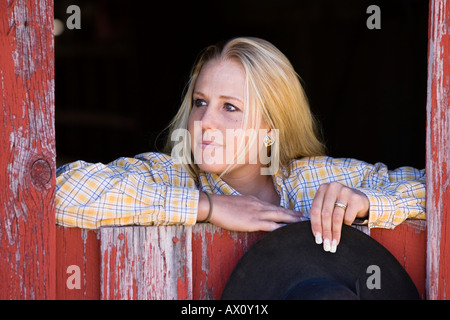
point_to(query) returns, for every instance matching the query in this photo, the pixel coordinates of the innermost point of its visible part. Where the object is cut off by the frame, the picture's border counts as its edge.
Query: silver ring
(340, 205)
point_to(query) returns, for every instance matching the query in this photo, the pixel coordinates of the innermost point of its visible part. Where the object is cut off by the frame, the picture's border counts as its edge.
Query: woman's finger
(330, 216)
(338, 218)
(316, 214)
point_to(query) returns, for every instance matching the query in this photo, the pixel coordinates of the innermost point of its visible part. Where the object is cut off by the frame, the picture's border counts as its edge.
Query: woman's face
(217, 115)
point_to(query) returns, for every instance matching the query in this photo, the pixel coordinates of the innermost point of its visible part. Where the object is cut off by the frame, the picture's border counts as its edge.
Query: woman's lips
(209, 144)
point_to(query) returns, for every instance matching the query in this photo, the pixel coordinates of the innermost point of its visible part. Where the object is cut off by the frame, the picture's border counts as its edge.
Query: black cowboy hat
(288, 264)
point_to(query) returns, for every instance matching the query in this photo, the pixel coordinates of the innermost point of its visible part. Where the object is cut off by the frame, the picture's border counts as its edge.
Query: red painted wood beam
(407, 243)
(438, 151)
(215, 253)
(184, 262)
(27, 150)
(77, 264)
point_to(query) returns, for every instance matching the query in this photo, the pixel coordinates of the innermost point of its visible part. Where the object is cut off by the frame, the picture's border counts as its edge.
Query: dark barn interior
(119, 79)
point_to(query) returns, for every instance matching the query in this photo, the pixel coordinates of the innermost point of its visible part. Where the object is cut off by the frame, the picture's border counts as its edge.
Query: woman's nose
(209, 118)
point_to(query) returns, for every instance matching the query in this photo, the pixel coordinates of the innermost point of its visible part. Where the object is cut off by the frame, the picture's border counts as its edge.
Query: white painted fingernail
(318, 238)
(333, 246)
(326, 244)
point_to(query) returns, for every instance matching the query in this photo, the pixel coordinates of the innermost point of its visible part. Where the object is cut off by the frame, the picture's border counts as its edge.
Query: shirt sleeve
(128, 191)
(394, 196)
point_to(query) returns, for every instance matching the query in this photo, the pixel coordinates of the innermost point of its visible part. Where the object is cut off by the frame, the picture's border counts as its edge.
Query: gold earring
(268, 141)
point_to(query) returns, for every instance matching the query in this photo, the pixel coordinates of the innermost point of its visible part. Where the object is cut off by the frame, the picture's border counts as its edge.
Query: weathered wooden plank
(146, 263)
(188, 262)
(27, 150)
(215, 253)
(438, 151)
(77, 264)
(407, 243)
(169, 262)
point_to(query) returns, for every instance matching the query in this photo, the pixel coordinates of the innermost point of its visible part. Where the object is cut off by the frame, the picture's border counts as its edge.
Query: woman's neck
(251, 182)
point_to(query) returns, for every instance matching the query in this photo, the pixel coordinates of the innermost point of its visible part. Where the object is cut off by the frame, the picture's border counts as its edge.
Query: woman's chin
(212, 167)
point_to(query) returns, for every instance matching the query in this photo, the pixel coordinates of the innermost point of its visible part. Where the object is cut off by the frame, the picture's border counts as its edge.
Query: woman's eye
(199, 102)
(230, 107)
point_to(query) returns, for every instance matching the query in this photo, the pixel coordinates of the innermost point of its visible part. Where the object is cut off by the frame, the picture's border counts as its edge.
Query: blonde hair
(278, 96)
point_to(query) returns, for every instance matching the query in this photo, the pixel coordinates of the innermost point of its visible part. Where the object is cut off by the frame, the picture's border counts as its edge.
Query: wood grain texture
(27, 150)
(176, 262)
(81, 248)
(215, 253)
(407, 243)
(146, 263)
(438, 151)
(169, 262)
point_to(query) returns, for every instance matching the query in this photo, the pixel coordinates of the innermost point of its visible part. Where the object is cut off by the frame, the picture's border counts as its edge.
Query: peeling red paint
(146, 263)
(80, 248)
(215, 253)
(407, 242)
(183, 286)
(438, 151)
(27, 229)
(195, 267)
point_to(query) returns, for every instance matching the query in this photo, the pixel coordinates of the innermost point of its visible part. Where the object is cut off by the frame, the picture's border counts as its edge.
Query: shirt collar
(212, 183)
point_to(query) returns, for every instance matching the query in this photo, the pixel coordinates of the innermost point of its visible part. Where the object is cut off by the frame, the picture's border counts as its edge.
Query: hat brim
(289, 255)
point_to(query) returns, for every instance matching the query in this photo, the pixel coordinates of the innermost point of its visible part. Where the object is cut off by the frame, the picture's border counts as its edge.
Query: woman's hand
(246, 213)
(328, 215)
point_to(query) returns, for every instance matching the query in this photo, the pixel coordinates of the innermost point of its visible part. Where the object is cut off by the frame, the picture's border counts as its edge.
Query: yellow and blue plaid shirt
(150, 189)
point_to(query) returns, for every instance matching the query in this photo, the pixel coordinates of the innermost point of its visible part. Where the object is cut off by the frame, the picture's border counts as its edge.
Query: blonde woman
(243, 154)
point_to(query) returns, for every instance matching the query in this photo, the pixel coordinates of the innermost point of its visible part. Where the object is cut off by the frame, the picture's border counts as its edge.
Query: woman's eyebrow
(221, 97)
(231, 98)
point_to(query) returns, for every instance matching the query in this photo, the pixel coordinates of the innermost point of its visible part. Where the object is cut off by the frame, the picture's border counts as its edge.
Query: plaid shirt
(150, 189)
